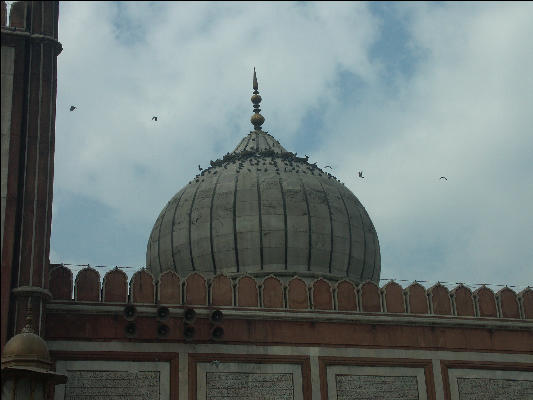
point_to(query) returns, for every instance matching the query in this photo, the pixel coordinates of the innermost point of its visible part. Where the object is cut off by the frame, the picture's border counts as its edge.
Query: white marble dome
(262, 210)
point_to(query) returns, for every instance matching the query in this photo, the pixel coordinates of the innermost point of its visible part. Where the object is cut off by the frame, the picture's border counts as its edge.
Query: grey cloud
(464, 113)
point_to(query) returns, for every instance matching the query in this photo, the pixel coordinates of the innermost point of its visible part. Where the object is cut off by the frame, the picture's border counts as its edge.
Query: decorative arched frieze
(346, 296)
(370, 297)
(297, 294)
(142, 287)
(221, 291)
(321, 295)
(508, 303)
(247, 292)
(60, 283)
(169, 288)
(485, 302)
(115, 287)
(417, 300)
(87, 285)
(272, 291)
(439, 300)
(463, 301)
(526, 299)
(393, 298)
(195, 289)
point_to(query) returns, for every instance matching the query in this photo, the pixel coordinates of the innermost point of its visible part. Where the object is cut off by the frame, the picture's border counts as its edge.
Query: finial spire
(257, 119)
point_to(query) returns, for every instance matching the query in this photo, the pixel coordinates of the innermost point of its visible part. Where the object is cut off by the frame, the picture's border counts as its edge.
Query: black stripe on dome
(149, 253)
(172, 230)
(248, 142)
(211, 224)
(235, 222)
(331, 225)
(308, 224)
(374, 236)
(159, 238)
(284, 219)
(190, 226)
(260, 221)
(349, 231)
(364, 244)
(268, 144)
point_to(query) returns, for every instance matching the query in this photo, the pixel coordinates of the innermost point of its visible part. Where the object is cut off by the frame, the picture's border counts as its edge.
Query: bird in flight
(328, 166)
(443, 177)
(154, 118)
(361, 174)
(72, 108)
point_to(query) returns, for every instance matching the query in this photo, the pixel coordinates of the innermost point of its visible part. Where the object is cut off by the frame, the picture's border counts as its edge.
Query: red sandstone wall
(286, 312)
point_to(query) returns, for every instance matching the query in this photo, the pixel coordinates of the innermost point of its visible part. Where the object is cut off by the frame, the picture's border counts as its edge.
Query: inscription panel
(376, 387)
(348, 382)
(474, 384)
(238, 385)
(112, 385)
(485, 388)
(113, 380)
(248, 381)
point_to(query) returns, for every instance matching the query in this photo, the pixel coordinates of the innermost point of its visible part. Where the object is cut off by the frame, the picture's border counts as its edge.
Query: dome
(26, 350)
(263, 210)
(26, 356)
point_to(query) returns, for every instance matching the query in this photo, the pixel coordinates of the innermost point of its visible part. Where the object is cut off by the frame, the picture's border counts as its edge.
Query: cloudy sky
(405, 92)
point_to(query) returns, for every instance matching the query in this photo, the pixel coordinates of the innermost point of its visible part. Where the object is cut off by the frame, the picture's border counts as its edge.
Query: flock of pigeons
(360, 173)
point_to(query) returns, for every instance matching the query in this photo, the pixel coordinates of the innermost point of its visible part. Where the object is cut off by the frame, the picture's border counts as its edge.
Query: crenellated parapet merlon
(294, 293)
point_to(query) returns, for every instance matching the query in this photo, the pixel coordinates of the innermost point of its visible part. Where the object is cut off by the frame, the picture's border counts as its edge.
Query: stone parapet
(275, 293)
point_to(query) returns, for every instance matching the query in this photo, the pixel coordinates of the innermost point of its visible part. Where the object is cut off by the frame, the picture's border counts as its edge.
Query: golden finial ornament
(27, 349)
(257, 119)
(26, 356)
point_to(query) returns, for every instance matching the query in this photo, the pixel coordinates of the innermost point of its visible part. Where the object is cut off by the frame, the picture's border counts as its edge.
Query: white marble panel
(477, 384)
(372, 383)
(245, 381)
(114, 380)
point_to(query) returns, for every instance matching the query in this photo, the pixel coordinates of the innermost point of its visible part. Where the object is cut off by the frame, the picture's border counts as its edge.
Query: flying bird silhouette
(327, 166)
(72, 108)
(154, 118)
(361, 174)
(443, 177)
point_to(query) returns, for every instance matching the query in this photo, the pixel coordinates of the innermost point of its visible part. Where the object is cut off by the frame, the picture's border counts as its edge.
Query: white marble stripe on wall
(8, 63)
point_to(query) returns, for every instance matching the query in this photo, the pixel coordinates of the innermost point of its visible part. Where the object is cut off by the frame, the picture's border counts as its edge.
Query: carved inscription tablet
(249, 386)
(372, 387)
(488, 389)
(112, 385)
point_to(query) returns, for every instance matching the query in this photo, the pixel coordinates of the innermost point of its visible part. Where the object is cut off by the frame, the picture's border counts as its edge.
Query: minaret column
(29, 84)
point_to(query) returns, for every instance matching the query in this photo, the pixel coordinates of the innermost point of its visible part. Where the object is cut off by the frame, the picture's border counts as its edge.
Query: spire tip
(257, 119)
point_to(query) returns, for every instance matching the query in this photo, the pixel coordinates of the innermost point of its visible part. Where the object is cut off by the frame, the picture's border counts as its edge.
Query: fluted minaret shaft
(29, 82)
